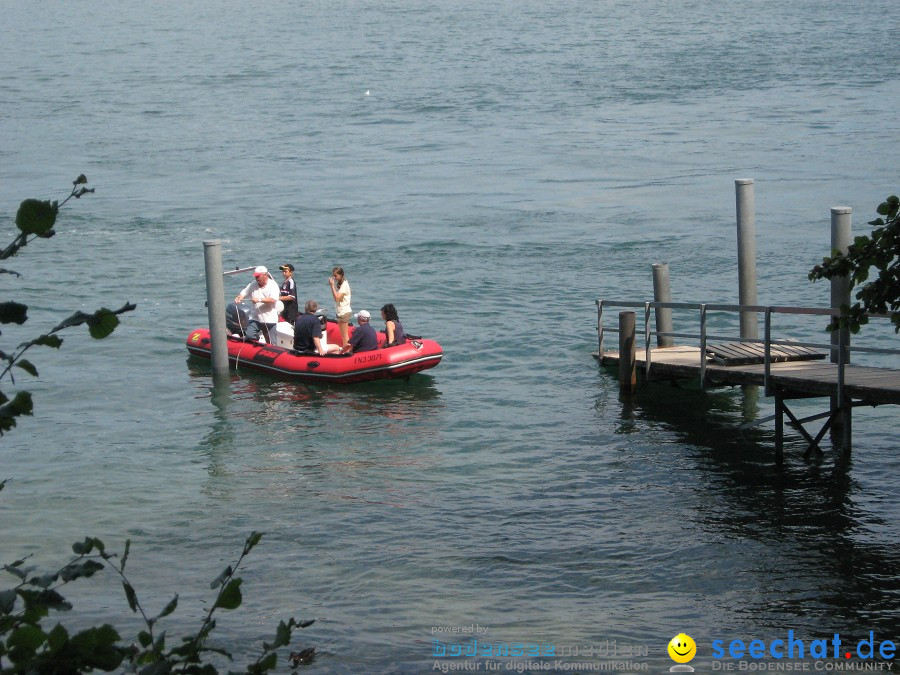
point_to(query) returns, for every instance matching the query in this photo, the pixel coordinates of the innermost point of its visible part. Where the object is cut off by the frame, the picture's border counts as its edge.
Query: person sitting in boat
(288, 294)
(364, 338)
(263, 293)
(393, 329)
(308, 332)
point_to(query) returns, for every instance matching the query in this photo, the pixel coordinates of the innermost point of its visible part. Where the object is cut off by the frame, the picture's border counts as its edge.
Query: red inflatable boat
(401, 361)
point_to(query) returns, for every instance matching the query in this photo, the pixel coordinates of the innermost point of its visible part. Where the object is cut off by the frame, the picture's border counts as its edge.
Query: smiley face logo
(682, 648)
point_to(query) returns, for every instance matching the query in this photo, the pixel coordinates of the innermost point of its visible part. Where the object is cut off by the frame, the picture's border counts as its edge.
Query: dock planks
(739, 353)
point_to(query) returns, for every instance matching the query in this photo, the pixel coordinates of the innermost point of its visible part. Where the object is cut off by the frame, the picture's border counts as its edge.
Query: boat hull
(381, 364)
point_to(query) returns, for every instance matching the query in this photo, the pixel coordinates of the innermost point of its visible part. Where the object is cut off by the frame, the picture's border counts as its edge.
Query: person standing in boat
(340, 291)
(364, 338)
(393, 329)
(263, 293)
(288, 294)
(308, 332)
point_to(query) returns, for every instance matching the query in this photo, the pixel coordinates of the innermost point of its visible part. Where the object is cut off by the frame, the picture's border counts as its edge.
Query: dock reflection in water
(809, 532)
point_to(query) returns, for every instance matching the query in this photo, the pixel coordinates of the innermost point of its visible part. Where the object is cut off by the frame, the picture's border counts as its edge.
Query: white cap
(260, 270)
(363, 314)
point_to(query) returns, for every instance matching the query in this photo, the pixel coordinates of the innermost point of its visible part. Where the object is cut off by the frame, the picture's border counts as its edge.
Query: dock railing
(840, 352)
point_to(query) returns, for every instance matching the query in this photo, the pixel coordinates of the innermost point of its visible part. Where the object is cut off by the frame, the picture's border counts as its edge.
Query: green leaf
(26, 637)
(57, 638)
(97, 647)
(35, 216)
(48, 341)
(20, 405)
(7, 601)
(130, 595)
(268, 663)
(161, 667)
(102, 323)
(75, 319)
(98, 319)
(83, 547)
(27, 366)
(219, 580)
(13, 569)
(81, 180)
(230, 597)
(13, 312)
(160, 644)
(145, 639)
(252, 541)
(125, 555)
(168, 609)
(34, 615)
(282, 635)
(77, 570)
(44, 580)
(38, 603)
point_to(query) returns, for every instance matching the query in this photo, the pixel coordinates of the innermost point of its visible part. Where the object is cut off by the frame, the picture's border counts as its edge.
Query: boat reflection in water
(336, 442)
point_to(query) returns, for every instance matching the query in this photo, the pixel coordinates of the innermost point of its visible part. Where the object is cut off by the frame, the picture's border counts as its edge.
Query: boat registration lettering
(265, 355)
(367, 358)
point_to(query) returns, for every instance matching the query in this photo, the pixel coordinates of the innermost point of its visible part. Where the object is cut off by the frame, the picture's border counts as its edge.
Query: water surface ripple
(491, 169)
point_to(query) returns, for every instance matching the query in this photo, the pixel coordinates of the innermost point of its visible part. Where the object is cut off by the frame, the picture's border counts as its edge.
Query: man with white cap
(263, 292)
(364, 338)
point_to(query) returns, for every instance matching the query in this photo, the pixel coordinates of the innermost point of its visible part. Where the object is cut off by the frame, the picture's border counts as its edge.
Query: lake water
(491, 169)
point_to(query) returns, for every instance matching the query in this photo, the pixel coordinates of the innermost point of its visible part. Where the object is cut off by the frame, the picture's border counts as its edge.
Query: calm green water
(491, 169)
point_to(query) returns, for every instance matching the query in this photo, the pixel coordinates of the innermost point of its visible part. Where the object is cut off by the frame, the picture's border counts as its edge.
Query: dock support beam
(662, 292)
(215, 303)
(746, 246)
(627, 358)
(779, 430)
(841, 223)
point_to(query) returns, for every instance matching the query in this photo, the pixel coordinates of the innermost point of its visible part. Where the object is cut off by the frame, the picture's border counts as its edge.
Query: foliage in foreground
(881, 251)
(27, 646)
(36, 219)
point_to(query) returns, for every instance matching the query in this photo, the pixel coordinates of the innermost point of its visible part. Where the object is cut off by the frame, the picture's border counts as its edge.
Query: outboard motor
(236, 319)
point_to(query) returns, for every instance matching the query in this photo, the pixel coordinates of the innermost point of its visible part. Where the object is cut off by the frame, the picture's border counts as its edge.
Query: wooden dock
(786, 368)
(793, 379)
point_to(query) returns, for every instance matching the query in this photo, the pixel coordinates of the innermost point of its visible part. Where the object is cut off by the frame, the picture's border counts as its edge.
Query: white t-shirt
(263, 312)
(343, 307)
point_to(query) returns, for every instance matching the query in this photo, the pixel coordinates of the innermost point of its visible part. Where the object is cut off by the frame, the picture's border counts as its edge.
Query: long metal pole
(746, 246)
(662, 292)
(841, 222)
(215, 303)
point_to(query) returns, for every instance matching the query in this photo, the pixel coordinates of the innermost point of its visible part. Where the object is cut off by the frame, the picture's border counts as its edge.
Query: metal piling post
(215, 303)
(746, 245)
(662, 292)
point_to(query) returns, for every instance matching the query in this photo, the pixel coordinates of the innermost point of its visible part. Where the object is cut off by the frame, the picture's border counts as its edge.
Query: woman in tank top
(393, 329)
